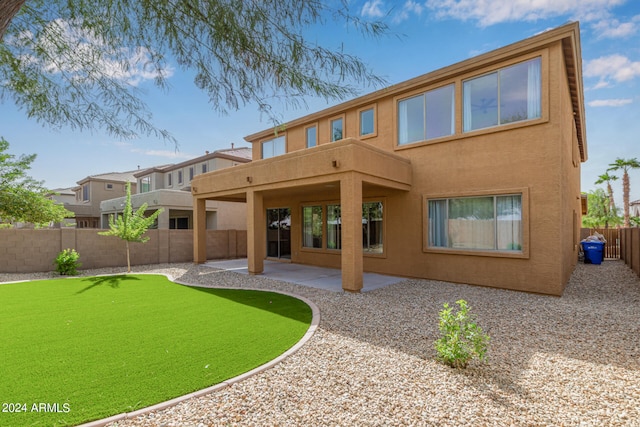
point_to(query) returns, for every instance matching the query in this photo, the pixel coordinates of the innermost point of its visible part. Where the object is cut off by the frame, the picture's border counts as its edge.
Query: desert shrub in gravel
(67, 262)
(461, 339)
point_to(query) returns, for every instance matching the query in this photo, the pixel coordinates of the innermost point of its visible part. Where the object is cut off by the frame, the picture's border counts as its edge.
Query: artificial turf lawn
(95, 347)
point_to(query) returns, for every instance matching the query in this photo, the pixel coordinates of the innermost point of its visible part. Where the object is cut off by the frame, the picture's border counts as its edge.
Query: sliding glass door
(279, 233)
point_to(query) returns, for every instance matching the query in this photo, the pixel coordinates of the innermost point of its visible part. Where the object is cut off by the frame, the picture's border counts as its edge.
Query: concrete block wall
(28, 251)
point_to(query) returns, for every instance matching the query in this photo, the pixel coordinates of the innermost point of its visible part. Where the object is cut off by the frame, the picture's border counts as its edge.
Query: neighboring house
(168, 187)
(467, 174)
(634, 208)
(92, 190)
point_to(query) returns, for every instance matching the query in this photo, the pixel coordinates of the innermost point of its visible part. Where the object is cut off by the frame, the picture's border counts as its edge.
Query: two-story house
(168, 187)
(469, 174)
(92, 190)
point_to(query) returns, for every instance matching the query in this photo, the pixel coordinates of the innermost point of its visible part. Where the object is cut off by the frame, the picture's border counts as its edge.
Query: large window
(312, 226)
(337, 131)
(427, 116)
(311, 134)
(145, 184)
(372, 227)
(480, 223)
(273, 147)
(508, 95)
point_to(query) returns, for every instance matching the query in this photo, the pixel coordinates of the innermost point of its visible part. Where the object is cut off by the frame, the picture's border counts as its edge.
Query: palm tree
(625, 165)
(607, 177)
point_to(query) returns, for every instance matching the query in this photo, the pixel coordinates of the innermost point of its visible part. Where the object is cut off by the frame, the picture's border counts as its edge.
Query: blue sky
(426, 35)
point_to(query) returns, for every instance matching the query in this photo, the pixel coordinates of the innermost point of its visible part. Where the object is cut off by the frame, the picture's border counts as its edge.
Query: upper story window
(367, 122)
(427, 116)
(145, 184)
(179, 177)
(204, 168)
(311, 136)
(508, 95)
(169, 179)
(108, 186)
(273, 147)
(191, 172)
(85, 193)
(337, 129)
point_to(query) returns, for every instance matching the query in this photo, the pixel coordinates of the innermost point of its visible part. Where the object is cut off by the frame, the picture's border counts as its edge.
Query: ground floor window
(334, 227)
(315, 230)
(312, 226)
(179, 223)
(476, 223)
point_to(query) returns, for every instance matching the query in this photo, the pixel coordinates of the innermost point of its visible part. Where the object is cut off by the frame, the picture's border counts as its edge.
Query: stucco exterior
(537, 160)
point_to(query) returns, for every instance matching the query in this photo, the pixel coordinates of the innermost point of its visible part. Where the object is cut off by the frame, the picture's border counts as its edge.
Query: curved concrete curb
(315, 321)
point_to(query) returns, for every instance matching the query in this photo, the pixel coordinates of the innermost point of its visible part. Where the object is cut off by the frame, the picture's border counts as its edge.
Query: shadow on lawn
(111, 281)
(273, 302)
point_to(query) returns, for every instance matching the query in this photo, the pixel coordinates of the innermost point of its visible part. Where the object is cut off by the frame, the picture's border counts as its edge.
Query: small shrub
(67, 262)
(461, 339)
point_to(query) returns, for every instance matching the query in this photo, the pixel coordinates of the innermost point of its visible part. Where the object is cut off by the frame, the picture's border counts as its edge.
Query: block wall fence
(30, 251)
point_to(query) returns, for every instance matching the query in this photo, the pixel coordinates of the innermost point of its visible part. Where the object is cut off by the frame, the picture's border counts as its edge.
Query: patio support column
(199, 231)
(351, 217)
(256, 244)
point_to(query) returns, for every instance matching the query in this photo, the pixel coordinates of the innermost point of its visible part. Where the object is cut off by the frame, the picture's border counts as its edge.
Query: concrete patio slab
(329, 279)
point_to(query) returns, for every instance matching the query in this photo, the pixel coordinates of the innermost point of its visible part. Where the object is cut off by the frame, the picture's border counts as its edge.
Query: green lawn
(75, 350)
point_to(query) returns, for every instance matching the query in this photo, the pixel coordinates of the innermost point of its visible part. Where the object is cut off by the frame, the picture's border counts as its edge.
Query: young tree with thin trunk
(131, 226)
(625, 165)
(72, 62)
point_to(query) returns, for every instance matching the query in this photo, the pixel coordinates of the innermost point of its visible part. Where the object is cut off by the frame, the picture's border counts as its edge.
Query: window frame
(145, 180)
(333, 119)
(523, 253)
(374, 133)
(283, 136)
(170, 179)
(306, 135)
(544, 114)
(325, 232)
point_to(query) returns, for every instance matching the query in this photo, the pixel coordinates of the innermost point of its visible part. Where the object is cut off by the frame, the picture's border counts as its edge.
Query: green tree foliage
(608, 177)
(23, 199)
(70, 62)
(625, 165)
(599, 211)
(131, 226)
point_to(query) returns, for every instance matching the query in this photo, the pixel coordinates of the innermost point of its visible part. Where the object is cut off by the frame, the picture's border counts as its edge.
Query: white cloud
(613, 28)
(163, 153)
(490, 12)
(373, 9)
(86, 59)
(409, 7)
(609, 102)
(612, 67)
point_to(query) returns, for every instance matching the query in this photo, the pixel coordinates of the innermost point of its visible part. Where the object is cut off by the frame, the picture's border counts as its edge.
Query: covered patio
(345, 170)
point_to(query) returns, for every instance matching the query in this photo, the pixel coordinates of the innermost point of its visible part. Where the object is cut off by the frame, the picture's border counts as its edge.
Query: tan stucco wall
(537, 158)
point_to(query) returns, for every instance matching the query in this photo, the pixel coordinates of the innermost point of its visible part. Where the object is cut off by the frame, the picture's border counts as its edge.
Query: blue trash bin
(593, 252)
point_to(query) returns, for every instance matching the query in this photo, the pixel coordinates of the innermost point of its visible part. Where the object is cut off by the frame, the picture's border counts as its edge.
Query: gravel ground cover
(570, 361)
